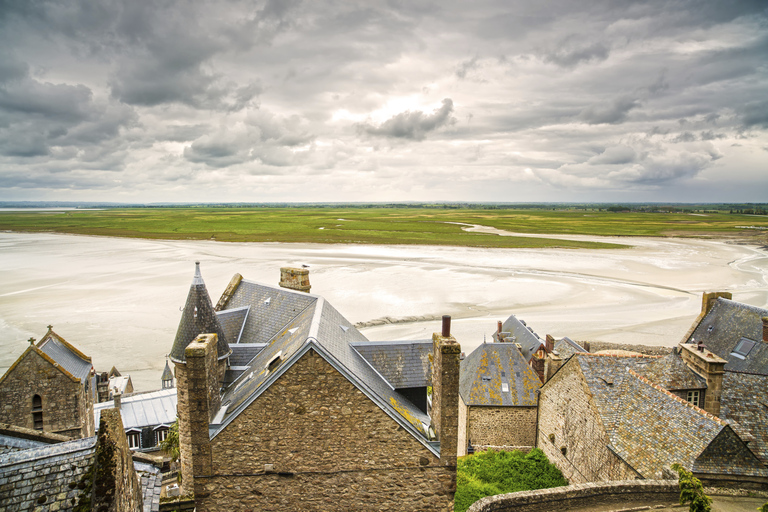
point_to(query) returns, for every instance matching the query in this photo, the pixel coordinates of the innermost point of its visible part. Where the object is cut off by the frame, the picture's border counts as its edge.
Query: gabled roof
(566, 347)
(233, 322)
(198, 317)
(68, 357)
(671, 372)
(515, 331)
(651, 429)
(291, 323)
(744, 404)
(405, 364)
(143, 409)
(724, 326)
(496, 374)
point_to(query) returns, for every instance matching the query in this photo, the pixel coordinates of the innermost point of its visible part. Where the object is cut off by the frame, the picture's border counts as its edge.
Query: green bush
(490, 473)
(692, 490)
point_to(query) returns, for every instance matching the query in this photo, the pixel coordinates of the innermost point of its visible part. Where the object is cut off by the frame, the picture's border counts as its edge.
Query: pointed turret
(167, 377)
(197, 318)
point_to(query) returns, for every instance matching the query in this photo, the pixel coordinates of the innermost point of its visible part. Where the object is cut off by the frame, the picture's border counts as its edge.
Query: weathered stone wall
(67, 409)
(502, 426)
(569, 422)
(648, 493)
(330, 447)
(116, 487)
(445, 394)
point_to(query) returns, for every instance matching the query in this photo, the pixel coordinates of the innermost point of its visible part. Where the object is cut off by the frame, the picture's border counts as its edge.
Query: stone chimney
(445, 392)
(765, 329)
(116, 487)
(549, 344)
(198, 400)
(295, 279)
(711, 368)
(118, 400)
(708, 300)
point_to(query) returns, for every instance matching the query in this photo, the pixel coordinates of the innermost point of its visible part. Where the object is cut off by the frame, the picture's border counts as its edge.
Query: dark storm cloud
(755, 114)
(414, 125)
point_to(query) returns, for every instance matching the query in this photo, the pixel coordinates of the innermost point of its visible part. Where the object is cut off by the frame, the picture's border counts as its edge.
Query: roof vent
(344, 328)
(266, 302)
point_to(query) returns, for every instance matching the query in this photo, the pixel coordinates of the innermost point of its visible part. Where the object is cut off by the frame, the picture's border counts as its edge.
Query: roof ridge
(66, 344)
(741, 304)
(636, 356)
(677, 398)
(746, 373)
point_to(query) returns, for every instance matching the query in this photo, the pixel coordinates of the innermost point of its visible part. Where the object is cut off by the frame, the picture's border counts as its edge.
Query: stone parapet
(602, 494)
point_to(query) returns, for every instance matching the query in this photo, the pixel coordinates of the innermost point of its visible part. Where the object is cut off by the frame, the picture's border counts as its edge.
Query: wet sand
(118, 300)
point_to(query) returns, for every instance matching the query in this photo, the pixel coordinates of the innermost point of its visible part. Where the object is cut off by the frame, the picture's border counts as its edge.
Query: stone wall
(502, 426)
(328, 447)
(116, 487)
(67, 405)
(571, 434)
(603, 496)
(649, 350)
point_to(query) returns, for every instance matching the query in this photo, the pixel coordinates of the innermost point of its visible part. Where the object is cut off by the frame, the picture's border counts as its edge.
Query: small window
(505, 387)
(134, 440)
(743, 348)
(693, 397)
(37, 412)
(161, 435)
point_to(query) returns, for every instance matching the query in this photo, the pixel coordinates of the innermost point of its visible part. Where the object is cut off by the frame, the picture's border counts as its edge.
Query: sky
(262, 101)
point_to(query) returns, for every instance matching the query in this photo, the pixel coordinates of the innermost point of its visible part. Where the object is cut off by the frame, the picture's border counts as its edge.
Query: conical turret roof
(167, 373)
(197, 318)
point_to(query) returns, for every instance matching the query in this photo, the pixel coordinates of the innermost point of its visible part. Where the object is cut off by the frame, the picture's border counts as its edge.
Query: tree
(170, 444)
(692, 490)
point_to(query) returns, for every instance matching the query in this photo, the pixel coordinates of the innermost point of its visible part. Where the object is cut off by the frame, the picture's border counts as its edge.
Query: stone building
(49, 472)
(601, 419)
(497, 399)
(50, 387)
(279, 409)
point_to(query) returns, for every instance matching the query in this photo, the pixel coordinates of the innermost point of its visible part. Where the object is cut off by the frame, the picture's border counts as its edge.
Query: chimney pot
(446, 326)
(498, 327)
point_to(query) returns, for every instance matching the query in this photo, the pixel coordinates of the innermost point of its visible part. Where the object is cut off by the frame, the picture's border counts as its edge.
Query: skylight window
(505, 387)
(743, 348)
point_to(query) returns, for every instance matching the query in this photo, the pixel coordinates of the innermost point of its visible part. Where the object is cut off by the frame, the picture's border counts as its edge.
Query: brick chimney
(708, 300)
(765, 329)
(198, 400)
(445, 392)
(295, 279)
(711, 368)
(549, 344)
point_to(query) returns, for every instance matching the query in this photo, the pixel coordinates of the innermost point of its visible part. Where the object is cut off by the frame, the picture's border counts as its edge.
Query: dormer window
(275, 362)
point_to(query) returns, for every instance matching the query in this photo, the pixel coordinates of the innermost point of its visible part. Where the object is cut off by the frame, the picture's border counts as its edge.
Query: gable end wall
(331, 447)
(566, 410)
(67, 408)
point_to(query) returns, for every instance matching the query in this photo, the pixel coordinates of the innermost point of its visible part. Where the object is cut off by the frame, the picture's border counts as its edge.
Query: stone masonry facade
(314, 441)
(500, 427)
(570, 433)
(67, 404)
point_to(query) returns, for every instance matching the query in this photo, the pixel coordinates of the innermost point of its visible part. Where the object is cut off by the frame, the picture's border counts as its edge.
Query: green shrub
(692, 490)
(490, 473)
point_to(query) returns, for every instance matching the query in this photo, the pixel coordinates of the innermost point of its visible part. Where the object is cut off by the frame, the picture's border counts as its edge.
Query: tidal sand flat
(119, 299)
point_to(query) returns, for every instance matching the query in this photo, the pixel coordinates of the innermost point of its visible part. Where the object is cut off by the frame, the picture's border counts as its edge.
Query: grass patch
(491, 473)
(380, 225)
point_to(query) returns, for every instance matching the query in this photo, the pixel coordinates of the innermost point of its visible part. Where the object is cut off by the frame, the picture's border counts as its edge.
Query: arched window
(37, 412)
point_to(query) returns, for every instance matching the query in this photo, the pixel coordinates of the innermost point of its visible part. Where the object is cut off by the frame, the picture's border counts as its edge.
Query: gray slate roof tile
(744, 404)
(520, 333)
(723, 327)
(143, 409)
(488, 367)
(56, 348)
(405, 364)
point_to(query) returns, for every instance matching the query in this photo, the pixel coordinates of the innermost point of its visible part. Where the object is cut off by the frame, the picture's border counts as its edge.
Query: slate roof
(233, 321)
(650, 428)
(515, 331)
(167, 373)
(744, 404)
(488, 368)
(198, 317)
(404, 364)
(725, 325)
(71, 359)
(291, 323)
(271, 308)
(243, 353)
(51, 477)
(143, 409)
(566, 347)
(671, 372)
